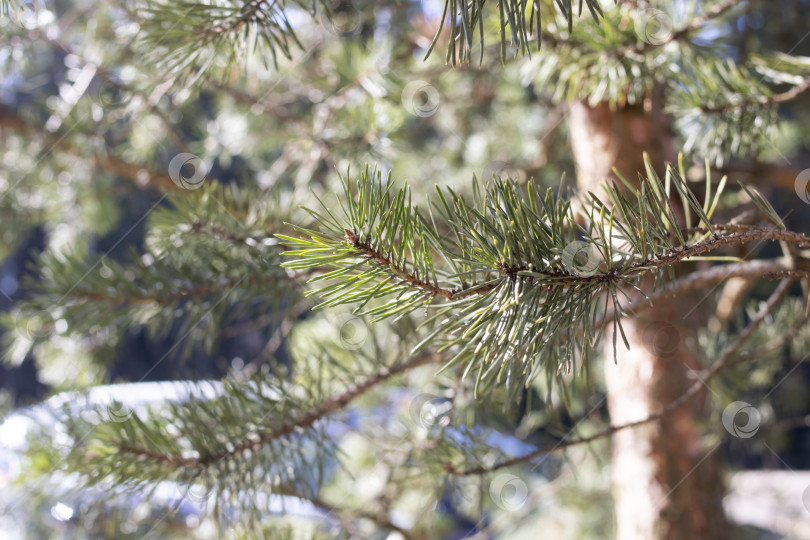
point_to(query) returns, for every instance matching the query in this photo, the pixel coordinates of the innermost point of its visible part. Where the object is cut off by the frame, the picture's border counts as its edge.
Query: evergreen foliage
(484, 304)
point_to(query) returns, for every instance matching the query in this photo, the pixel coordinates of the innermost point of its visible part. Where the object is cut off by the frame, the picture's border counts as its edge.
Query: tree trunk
(667, 483)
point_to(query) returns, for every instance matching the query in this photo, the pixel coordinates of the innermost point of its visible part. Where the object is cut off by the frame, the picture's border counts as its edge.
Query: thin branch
(282, 111)
(201, 226)
(782, 274)
(249, 11)
(695, 25)
(740, 234)
(139, 175)
(178, 294)
(304, 421)
(724, 362)
(783, 97)
(171, 129)
(380, 520)
(700, 280)
(778, 341)
(792, 93)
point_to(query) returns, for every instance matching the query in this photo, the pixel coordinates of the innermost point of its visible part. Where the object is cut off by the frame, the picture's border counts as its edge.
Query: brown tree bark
(667, 480)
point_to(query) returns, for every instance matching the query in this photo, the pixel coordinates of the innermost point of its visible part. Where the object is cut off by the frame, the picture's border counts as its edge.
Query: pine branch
(785, 69)
(724, 362)
(791, 94)
(720, 107)
(175, 295)
(185, 281)
(304, 421)
(234, 442)
(181, 291)
(512, 265)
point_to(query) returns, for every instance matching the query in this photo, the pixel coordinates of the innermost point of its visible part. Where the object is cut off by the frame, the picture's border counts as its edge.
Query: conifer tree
(373, 196)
